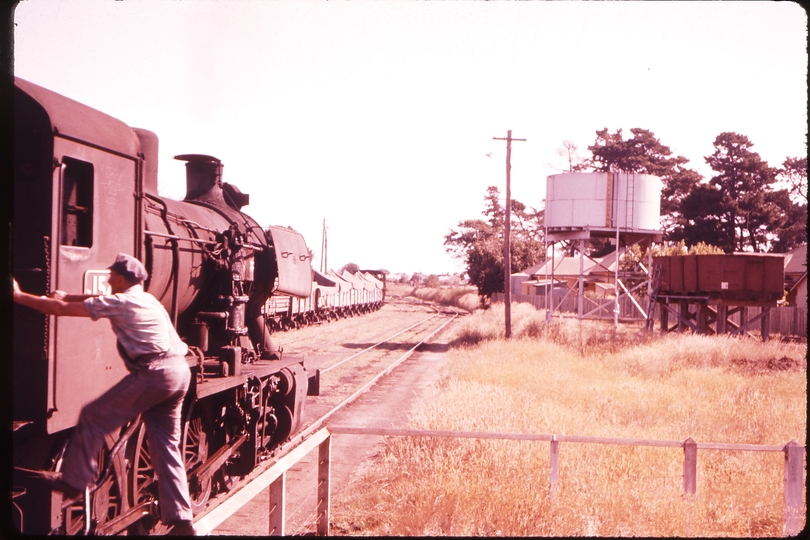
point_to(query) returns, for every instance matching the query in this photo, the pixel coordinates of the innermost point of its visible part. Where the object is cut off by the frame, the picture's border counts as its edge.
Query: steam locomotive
(85, 189)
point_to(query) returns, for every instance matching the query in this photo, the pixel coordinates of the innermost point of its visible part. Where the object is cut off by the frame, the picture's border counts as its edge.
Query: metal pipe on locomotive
(85, 188)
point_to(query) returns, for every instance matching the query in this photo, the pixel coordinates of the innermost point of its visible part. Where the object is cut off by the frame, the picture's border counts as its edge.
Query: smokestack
(203, 178)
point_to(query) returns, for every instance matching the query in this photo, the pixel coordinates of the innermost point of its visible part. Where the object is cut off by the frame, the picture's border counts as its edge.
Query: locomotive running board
(261, 368)
(314, 386)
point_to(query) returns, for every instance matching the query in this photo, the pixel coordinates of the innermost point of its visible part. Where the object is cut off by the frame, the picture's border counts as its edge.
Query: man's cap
(128, 266)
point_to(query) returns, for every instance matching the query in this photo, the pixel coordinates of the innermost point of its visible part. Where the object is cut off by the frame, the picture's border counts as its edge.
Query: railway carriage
(334, 296)
(85, 188)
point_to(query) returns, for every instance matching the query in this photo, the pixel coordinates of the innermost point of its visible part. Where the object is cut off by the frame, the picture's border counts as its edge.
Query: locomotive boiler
(85, 189)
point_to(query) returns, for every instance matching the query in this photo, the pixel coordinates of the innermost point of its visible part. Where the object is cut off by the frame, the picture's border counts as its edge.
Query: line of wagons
(335, 295)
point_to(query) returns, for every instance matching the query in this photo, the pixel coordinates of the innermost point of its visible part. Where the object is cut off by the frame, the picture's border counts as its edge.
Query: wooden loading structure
(702, 292)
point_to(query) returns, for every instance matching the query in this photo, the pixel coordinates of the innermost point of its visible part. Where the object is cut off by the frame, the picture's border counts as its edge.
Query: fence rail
(274, 478)
(793, 471)
(786, 321)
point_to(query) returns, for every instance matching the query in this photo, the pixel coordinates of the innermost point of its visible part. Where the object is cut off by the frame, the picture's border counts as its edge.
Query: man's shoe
(182, 528)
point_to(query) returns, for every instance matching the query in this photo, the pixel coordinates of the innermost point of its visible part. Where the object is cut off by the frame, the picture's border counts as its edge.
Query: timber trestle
(705, 315)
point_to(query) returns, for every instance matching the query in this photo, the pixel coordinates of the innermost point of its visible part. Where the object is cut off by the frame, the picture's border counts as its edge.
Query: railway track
(352, 362)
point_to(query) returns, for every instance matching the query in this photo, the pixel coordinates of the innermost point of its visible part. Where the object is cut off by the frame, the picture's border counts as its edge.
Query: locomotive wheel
(286, 383)
(225, 482)
(195, 452)
(143, 483)
(285, 419)
(108, 501)
(222, 436)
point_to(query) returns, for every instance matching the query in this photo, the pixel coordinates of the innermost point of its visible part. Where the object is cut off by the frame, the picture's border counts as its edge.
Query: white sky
(378, 116)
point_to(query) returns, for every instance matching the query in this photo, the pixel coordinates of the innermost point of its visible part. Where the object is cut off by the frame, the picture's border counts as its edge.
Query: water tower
(622, 207)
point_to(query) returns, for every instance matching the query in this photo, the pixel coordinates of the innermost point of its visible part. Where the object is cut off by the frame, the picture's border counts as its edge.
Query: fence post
(690, 466)
(794, 466)
(554, 473)
(324, 471)
(276, 511)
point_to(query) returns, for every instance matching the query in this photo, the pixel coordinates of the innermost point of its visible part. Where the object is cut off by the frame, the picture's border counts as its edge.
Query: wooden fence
(273, 479)
(793, 470)
(785, 321)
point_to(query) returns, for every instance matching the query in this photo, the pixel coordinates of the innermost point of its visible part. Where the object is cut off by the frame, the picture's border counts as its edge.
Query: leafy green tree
(791, 231)
(351, 268)
(747, 209)
(642, 153)
(702, 215)
(432, 281)
(480, 242)
(794, 174)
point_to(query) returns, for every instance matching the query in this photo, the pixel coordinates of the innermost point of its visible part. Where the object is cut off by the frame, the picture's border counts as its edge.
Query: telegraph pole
(507, 225)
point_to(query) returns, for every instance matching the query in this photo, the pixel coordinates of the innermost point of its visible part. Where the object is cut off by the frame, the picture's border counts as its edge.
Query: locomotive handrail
(175, 237)
(200, 241)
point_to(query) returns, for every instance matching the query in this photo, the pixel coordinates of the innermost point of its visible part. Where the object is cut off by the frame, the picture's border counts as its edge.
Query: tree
(792, 203)
(791, 229)
(569, 152)
(479, 242)
(745, 209)
(677, 186)
(351, 268)
(642, 153)
(794, 174)
(702, 218)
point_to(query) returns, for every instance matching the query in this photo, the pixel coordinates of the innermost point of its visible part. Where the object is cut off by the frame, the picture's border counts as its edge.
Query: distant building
(563, 273)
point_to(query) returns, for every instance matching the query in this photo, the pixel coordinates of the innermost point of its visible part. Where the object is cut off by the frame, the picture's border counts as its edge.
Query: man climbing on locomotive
(157, 382)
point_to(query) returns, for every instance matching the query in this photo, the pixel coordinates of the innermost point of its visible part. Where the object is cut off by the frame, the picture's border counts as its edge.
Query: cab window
(77, 203)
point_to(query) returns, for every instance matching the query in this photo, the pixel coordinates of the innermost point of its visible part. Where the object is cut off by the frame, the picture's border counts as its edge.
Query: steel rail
(321, 346)
(317, 424)
(386, 340)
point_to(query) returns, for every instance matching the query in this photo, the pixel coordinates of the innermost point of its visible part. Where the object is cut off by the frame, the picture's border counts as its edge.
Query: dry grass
(465, 298)
(573, 379)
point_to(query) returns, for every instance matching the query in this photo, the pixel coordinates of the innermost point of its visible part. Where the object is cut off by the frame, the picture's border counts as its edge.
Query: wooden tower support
(704, 315)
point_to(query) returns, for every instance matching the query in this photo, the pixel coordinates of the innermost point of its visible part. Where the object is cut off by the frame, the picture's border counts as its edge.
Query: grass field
(567, 378)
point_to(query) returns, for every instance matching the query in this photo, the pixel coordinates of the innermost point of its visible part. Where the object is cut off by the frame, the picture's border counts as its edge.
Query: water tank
(600, 200)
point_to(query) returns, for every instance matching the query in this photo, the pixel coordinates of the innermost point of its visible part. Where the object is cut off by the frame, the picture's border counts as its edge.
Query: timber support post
(765, 324)
(683, 316)
(722, 319)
